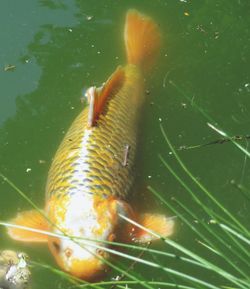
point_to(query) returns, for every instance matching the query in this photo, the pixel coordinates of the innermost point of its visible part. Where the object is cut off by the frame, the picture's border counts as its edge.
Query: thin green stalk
(74, 280)
(148, 250)
(200, 185)
(245, 192)
(89, 244)
(209, 248)
(224, 134)
(233, 232)
(238, 245)
(219, 219)
(145, 262)
(208, 117)
(63, 234)
(27, 199)
(222, 241)
(108, 283)
(173, 244)
(125, 273)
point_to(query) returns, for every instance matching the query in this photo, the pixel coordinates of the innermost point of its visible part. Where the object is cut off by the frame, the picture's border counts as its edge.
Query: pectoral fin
(157, 223)
(31, 219)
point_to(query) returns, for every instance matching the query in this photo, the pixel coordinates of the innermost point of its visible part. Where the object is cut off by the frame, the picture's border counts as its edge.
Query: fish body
(93, 170)
(91, 159)
(88, 174)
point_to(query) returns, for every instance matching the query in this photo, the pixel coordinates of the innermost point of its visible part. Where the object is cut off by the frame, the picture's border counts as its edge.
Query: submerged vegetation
(225, 241)
(215, 252)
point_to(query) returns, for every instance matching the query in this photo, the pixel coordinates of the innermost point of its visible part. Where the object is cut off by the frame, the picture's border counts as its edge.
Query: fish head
(88, 223)
(79, 259)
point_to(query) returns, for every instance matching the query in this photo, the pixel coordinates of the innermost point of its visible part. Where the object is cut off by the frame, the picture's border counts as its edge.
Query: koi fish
(92, 172)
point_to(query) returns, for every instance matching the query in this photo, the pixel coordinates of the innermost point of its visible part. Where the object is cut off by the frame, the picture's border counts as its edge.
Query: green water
(60, 48)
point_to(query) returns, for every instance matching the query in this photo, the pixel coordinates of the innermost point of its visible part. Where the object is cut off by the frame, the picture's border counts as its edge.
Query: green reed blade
(217, 203)
(216, 236)
(175, 245)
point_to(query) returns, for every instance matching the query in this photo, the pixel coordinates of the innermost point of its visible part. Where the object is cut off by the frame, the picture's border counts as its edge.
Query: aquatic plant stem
(200, 185)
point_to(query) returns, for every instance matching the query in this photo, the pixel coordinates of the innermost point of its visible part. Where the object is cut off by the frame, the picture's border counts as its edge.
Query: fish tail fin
(142, 39)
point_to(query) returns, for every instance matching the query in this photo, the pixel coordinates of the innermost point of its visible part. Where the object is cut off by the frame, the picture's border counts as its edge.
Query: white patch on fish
(81, 221)
(81, 218)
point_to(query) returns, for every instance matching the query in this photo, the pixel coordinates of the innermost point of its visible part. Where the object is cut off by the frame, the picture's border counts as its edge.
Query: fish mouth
(89, 270)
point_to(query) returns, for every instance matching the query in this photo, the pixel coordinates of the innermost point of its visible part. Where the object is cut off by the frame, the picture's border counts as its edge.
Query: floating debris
(212, 221)
(89, 17)
(126, 153)
(216, 34)
(116, 278)
(200, 28)
(9, 67)
(14, 272)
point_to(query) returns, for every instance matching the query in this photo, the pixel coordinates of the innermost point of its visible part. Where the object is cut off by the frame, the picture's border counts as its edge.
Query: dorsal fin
(97, 97)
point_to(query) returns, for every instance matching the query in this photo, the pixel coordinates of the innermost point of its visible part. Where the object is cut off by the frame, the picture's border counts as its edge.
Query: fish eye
(68, 252)
(100, 252)
(56, 246)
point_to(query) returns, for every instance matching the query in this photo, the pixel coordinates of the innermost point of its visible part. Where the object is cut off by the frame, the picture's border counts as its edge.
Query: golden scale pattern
(116, 128)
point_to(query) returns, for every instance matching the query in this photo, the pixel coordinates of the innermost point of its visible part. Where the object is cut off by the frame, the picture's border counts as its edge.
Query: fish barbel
(93, 170)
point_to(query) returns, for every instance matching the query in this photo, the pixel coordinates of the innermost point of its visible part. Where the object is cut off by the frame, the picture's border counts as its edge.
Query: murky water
(51, 51)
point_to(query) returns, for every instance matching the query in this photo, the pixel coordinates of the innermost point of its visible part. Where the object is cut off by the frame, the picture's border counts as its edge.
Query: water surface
(57, 49)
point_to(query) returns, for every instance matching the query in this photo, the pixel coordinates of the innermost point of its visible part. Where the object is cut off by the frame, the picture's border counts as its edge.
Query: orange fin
(130, 232)
(125, 230)
(157, 223)
(142, 39)
(31, 219)
(97, 97)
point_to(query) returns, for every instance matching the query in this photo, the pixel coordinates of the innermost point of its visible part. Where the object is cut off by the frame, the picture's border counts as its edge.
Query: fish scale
(104, 150)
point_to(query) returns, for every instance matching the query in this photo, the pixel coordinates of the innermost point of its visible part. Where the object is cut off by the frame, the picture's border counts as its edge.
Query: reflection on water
(22, 27)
